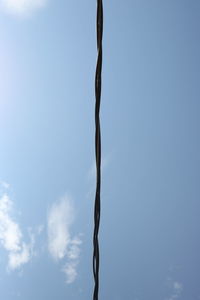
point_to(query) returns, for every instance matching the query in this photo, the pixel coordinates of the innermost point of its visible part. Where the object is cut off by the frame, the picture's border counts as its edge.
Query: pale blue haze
(150, 225)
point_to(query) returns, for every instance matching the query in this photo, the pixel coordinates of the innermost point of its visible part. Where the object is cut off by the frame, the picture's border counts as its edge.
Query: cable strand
(97, 206)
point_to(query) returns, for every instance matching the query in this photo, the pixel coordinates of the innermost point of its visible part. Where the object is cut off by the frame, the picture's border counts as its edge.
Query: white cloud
(4, 185)
(177, 290)
(70, 271)
(40, 229)
(16, 259)
(60, 243)
(178, 287)
(73, 253)
(74, 248)
(19, 252)
(10, 234)
(59, 220)
(22, 7)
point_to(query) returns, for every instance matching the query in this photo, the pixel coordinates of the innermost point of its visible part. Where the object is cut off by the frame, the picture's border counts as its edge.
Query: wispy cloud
(91, 174)
(60, 243)
(92, 170)
(40, 229)
(60, 218)
(16, 259)
(11, 238)
(177, 289)
(4, 184)
(70, 268)
(70, 271)
(22, 7)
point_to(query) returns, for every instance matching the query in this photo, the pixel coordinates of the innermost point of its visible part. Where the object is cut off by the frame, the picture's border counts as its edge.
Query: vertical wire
(97, 206)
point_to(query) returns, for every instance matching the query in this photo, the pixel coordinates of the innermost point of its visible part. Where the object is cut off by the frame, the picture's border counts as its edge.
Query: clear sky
(150, 225)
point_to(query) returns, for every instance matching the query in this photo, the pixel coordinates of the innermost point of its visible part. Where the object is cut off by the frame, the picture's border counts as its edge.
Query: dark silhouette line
(97, 206)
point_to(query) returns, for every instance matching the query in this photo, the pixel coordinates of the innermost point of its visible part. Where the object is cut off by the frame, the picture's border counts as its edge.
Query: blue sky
(150, 221)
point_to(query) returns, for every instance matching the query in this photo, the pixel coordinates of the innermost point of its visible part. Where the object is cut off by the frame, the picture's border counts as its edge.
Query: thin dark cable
(97, 206)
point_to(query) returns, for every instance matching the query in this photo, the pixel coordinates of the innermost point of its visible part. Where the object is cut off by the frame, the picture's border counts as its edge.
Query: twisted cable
(97, 206)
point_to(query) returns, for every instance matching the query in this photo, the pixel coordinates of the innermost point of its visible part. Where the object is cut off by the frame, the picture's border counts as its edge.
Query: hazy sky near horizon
(149, 236)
